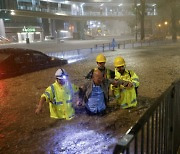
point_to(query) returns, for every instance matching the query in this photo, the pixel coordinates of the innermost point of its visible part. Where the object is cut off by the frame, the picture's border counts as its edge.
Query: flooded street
(21, 131)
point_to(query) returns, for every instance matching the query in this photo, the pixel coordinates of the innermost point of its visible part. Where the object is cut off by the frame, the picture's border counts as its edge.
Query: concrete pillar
(19, 37)
(2, 28)
(80, 29)
(52, 27)
(41, 36)
(31, 36)
(59, 6)
(106, 11)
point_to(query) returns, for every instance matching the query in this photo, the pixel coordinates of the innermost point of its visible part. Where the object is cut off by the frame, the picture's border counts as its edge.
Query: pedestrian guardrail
(157, 131)
(84, 52)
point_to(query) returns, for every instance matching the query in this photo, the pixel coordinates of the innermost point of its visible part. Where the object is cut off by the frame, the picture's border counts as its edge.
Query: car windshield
(3, 56)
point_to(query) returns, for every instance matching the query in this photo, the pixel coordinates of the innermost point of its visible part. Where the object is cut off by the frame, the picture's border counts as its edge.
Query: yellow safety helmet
(100, 58)
(119, 61)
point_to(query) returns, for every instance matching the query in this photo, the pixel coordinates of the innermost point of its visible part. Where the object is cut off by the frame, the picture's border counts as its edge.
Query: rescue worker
(94, 93)
(125, 94)
(101, 61)
(59, 96)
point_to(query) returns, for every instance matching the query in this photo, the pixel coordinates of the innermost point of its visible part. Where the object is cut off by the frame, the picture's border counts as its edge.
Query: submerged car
(17, 61)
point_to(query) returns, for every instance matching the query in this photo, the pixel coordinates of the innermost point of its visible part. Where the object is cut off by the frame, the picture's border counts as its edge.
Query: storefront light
(12, 12)
(74, 6)
(64, 31)
(60, 14)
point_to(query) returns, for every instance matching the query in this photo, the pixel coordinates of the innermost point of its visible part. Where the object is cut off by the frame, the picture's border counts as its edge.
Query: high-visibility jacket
(60, 100)
(126, 97)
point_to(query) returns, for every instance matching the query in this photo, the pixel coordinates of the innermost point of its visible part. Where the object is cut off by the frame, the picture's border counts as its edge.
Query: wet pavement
(21, 131)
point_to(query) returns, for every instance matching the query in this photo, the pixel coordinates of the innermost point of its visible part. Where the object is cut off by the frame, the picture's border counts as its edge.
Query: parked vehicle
(17, 61)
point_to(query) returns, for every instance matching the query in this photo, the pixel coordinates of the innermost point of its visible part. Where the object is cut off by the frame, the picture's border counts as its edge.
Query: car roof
(18, 51)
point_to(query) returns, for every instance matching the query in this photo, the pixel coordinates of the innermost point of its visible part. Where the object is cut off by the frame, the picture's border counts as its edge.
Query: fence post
(91, 50)
(103, 47)
(119, 46)
(78, 51)
(63, 54)
(123, 144)
(132, 44)
(96, 46)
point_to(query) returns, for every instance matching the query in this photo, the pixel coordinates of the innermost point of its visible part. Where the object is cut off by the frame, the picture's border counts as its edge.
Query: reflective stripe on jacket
(126, 97)
(60, 100)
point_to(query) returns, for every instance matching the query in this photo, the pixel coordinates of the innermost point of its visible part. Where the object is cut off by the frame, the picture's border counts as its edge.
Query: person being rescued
(59, 95)
(106, 72)
(126, 94)
(94, 93)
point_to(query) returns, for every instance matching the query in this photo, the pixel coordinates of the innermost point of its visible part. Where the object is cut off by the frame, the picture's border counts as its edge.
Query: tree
(170, 9)
(140, 14)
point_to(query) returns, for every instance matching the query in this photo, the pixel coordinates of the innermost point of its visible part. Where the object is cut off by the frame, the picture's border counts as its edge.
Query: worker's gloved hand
(127, 84)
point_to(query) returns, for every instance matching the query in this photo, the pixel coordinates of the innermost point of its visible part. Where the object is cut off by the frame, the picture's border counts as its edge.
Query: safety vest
(126, 97)
(60, 100)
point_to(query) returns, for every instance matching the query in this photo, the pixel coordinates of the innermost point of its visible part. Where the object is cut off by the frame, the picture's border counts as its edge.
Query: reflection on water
(74, 55)
(70, 57)
(80, 140)
(3, 91)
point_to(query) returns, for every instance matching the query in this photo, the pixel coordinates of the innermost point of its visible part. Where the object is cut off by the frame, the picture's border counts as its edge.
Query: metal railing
(157, 131)
(82, 53)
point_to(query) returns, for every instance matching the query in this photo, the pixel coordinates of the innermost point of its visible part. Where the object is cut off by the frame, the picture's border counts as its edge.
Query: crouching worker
(94, 93)
(59, 96)
(126, 94)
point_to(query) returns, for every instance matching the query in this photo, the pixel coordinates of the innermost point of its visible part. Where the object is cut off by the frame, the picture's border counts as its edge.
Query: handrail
(165, 128)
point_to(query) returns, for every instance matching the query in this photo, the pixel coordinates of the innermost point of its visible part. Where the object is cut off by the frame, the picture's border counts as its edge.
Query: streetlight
(166, 27)
(165, 22)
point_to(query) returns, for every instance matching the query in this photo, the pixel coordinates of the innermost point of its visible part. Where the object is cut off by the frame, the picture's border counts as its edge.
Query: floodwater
(21, 131)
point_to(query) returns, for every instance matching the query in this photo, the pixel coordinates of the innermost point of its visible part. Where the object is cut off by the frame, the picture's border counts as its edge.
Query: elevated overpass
(66, 15)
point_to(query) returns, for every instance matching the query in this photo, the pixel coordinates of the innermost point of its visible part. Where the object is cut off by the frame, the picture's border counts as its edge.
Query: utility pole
(135, 4)
(142, 13)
